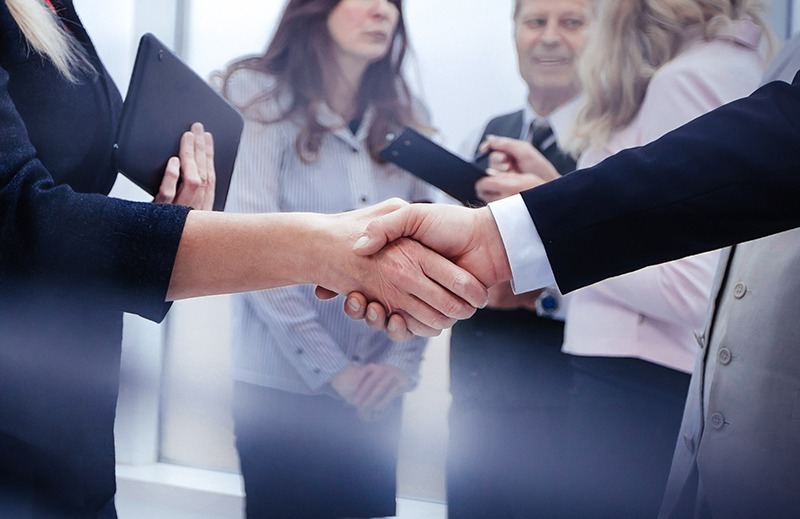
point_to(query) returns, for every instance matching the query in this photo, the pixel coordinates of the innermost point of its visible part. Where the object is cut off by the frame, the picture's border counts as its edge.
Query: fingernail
(372, 315)
(353, 304)
(393, 326)
(361, 243)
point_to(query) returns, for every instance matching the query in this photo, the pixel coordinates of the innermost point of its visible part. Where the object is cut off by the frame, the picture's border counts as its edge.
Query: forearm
(225, 253)
(726, 177)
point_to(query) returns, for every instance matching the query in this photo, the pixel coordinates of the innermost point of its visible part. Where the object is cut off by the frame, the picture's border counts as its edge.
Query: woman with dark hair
(317, 405)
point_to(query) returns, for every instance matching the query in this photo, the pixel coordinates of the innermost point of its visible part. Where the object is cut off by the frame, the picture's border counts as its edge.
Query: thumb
(385, 229)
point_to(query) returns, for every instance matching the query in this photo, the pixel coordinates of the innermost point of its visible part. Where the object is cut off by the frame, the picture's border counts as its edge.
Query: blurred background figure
(317, 396)
(650, 67)
(508, 378)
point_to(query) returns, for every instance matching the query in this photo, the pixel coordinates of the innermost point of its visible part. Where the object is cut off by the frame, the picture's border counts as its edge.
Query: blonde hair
(47, 36)
(629, 43)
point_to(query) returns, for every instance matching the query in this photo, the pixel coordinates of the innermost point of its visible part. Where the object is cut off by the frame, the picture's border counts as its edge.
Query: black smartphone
(425, 159)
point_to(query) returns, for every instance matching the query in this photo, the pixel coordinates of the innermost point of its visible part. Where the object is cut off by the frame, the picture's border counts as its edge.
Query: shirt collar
(742, 32)
(339, 127)
(561, 120)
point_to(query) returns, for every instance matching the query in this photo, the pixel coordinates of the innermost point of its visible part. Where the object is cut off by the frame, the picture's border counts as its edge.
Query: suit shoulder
(508, 125)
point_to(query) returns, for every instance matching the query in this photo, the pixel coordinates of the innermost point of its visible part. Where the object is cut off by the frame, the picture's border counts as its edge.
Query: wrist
(324, 252)
(495, 251)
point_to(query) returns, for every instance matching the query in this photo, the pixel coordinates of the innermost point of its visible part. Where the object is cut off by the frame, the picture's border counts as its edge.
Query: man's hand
(194, 168)
(374, 315)
(501, 297)
(469, 237)
(429, 292)
(516, 156)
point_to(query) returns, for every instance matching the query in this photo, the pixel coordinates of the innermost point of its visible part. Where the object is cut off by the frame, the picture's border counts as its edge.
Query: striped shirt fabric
(285, 338)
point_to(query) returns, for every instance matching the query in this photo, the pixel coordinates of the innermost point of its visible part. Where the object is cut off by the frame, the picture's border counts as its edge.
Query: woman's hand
(381, 385)
(371, 387)
(495, 185)
(189, 179)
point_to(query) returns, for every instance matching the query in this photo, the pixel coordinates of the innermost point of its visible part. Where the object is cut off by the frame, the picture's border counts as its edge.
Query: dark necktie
(542, 138)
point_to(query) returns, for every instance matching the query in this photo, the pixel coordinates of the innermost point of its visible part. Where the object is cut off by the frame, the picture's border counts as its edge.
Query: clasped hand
(454, 248)
(371, 388)
(467, 237)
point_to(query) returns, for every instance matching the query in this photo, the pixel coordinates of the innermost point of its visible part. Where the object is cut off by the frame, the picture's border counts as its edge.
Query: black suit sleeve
(115, 253)
(729, 176)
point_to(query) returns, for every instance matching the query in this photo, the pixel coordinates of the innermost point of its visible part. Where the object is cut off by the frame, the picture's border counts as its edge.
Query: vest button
(725, 356)
(739, 290)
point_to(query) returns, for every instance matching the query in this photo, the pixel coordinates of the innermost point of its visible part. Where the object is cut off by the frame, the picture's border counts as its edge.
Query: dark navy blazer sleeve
(729, 176)
(116, 253)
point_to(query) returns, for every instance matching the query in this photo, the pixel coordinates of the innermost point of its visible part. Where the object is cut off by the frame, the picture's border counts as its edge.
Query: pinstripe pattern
(285, 338)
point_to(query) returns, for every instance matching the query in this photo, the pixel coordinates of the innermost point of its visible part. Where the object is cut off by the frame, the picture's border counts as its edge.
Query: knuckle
(461, 282)
(457, 309)
(440, 322)
(396, 203)
(192, 182)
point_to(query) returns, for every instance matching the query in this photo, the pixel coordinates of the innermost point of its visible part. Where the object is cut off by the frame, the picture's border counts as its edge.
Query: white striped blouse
(285, 338)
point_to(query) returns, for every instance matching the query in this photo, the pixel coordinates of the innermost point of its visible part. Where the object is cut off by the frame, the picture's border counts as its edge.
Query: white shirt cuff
(530, 268)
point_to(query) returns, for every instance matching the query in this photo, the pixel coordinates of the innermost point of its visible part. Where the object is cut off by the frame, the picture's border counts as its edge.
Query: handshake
(410, 268)
(423, 266)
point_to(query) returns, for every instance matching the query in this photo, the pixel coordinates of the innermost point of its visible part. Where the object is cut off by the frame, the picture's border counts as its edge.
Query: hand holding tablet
(165, 98)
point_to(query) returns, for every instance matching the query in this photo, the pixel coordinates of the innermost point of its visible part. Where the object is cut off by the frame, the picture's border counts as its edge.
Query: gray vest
(738, 453)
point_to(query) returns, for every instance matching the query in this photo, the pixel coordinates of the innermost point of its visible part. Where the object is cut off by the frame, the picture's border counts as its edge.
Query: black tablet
(164, 98)
(427, 160)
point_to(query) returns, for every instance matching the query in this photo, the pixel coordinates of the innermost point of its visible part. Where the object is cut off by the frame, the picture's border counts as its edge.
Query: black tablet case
(164, 98)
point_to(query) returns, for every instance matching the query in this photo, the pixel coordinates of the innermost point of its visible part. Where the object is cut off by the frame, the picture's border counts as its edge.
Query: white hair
(47, 36)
